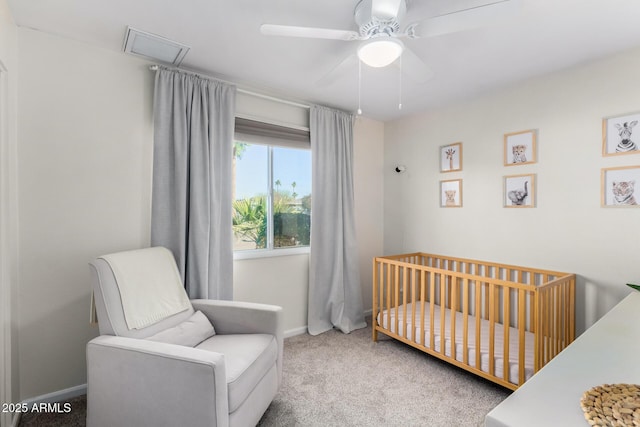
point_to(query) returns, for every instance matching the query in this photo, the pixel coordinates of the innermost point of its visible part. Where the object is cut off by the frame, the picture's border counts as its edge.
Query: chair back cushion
(139, 293)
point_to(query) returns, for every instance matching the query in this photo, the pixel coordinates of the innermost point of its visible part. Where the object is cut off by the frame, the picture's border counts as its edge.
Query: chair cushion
(189, 333)
(248, 357)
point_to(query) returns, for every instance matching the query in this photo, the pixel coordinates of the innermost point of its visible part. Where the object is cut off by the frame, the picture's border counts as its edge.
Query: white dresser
(607, 353)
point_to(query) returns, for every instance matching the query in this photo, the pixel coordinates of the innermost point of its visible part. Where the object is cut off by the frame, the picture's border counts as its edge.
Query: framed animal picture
(519, 191)
(618, 135)
(618, 187)
(520, 148)
(451, 157)
(451, 193)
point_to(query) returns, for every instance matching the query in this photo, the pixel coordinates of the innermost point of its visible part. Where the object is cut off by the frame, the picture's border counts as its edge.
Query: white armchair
(140, 377)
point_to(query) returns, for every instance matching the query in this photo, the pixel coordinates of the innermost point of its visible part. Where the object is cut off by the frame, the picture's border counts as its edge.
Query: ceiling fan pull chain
(359, 86)
(400, 84)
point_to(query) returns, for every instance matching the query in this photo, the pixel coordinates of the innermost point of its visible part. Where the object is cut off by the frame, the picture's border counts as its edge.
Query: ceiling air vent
(154, 47)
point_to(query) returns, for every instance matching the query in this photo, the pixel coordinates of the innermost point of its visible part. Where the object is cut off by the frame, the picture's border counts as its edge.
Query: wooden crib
(450, 307)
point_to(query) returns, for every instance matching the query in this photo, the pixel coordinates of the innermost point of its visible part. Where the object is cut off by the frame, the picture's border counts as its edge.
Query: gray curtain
(335, 296)
(192, 158)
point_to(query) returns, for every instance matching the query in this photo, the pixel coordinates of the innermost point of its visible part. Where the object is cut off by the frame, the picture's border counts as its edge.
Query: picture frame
(451, 157)
(520, 147)
(451, 193)
(617, 134)
(519, 191)
(618, 186)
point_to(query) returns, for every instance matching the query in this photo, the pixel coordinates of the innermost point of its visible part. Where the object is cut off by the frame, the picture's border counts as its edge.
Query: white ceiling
(225, 41)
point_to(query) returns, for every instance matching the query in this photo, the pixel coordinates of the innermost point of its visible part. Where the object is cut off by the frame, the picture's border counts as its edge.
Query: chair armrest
(236, 317)
(184, 385)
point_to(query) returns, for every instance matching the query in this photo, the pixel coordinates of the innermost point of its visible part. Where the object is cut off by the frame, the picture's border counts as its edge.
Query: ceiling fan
(381, 26)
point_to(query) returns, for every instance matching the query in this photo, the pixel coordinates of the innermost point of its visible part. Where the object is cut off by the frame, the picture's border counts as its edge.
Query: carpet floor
(336, 379)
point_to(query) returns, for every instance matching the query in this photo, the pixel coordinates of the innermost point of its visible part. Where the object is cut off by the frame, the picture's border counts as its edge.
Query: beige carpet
(346, 380)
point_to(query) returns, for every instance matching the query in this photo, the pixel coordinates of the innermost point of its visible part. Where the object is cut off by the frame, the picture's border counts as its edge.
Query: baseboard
(303, 329)
(296, 331)
(58, 396)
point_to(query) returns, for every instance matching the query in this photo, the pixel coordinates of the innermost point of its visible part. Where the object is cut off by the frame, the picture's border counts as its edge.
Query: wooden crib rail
(532, 276)
(505, 296)
(555, 311)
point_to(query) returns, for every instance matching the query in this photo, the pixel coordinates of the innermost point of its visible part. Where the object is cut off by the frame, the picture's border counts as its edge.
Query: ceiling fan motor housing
(380, 22)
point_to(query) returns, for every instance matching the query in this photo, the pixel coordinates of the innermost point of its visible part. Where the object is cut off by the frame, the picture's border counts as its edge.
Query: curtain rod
(241, 90)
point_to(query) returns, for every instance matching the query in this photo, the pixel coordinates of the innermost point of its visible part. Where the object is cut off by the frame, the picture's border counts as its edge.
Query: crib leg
(374, 334)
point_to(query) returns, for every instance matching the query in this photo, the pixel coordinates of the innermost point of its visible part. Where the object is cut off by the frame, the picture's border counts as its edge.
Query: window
(272, 189)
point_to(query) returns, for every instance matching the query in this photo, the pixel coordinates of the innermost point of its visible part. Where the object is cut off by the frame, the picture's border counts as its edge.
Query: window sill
(269, 253)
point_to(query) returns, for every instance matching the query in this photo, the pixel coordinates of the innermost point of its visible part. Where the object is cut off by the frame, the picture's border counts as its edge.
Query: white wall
(368, 177)
(85, 153)
(8, 211)
(568, 230)
(285, 280)
(279, 280)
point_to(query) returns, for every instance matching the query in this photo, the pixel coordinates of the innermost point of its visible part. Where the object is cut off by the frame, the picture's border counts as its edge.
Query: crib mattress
(514, 338)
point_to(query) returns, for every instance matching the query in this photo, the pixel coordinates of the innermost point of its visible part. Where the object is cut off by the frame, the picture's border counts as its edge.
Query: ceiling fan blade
(465, 19)
(386, 9)
(308, 32)
(350, 62)
(414, 67)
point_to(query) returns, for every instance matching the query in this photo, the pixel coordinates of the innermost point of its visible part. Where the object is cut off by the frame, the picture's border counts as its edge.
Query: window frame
(271, 143)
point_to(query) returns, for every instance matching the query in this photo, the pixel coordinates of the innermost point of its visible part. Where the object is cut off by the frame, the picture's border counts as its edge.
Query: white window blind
(257, 132)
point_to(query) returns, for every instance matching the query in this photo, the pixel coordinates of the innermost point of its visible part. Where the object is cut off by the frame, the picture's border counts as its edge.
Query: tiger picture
(623, 192)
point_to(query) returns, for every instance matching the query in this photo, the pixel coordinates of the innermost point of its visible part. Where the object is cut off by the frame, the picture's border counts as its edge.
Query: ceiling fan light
(380, 52)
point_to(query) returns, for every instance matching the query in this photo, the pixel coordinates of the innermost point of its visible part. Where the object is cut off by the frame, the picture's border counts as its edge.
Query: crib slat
(545, 317)
(465, 324)
(521, 334)
(478, 319)
(567, 303)
(538, 332)
(492, 333)
(547, 332)
(389, 284)
(552, 325)
(442, 313)
(414, 302)
(454, 309)
(532, 311)
(564, 304)
(423, 292)
(506, 319)
(405, 290)
(559, 326)
(486, 300)
(554, 322)
(432, 298)
(545, 327)
(448, 280)
(396, 295)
